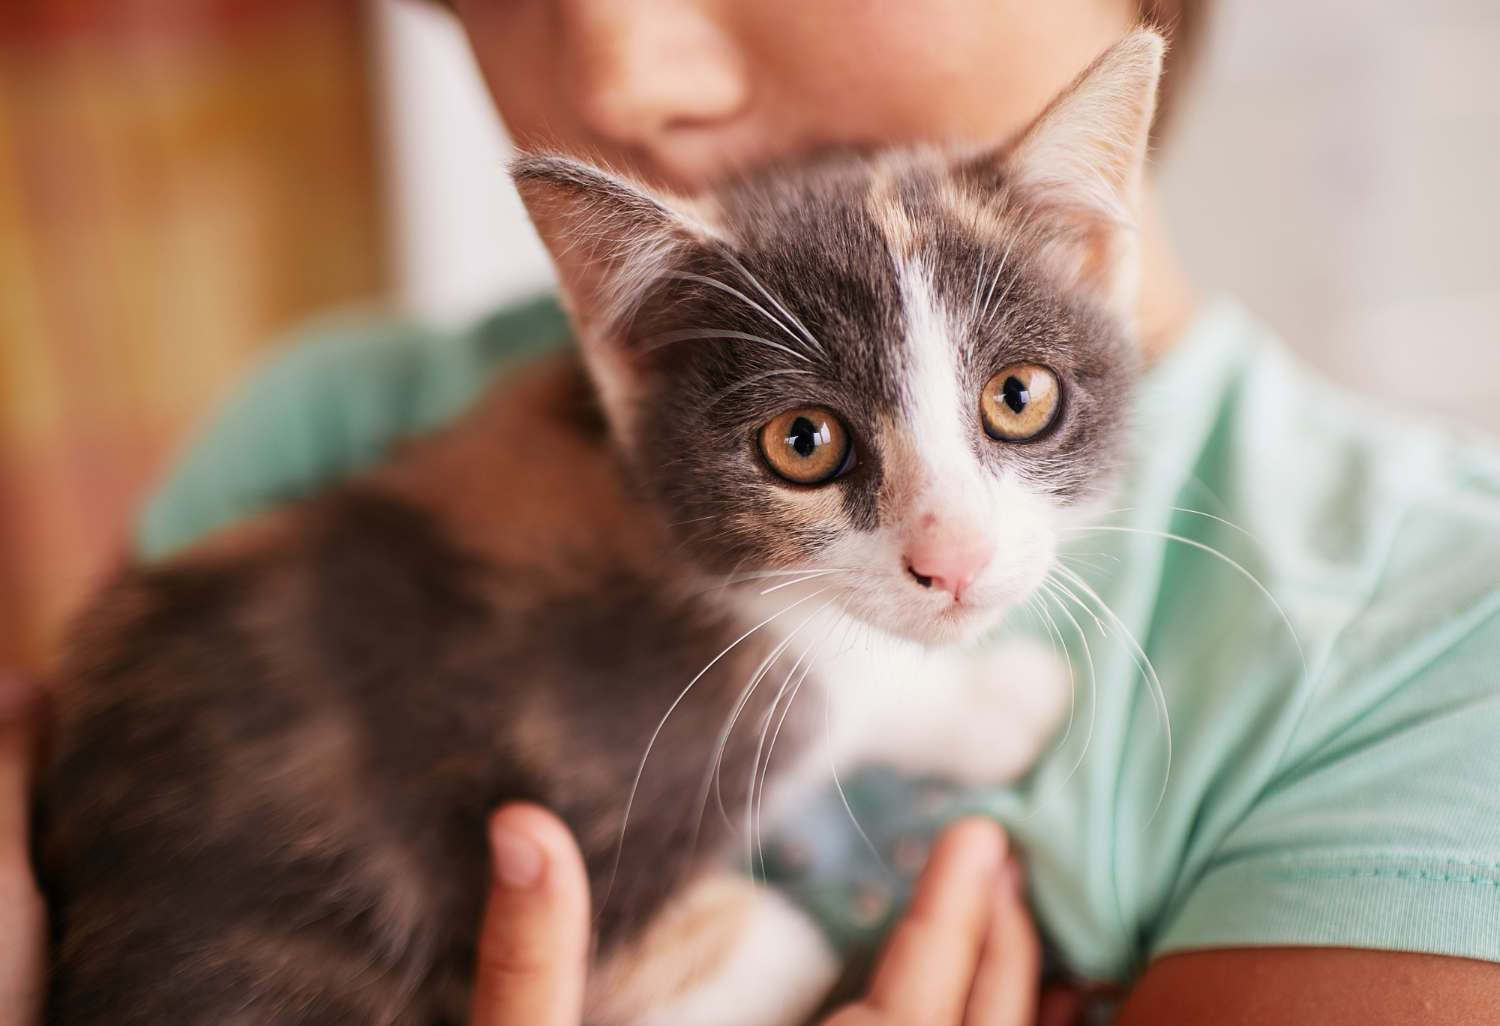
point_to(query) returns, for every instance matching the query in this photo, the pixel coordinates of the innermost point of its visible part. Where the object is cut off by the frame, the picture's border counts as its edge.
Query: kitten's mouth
(958, 620)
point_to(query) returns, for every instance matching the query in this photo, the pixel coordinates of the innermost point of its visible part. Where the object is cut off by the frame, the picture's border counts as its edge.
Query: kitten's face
(828, 392)
(892, 378)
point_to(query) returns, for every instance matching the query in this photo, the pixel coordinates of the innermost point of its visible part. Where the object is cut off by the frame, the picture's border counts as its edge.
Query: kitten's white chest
(975, 716)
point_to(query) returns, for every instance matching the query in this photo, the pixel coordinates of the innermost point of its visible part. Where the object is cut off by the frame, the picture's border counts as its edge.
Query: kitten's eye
(1020, 402)
(807, 447)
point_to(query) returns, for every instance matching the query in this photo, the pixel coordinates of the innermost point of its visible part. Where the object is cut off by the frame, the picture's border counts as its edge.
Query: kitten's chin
(960, 623)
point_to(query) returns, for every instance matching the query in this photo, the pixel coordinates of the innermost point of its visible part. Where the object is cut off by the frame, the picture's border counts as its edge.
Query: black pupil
(1015, 393)
(803, 436)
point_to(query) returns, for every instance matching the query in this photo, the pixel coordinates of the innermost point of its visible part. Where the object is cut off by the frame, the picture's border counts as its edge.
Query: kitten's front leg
(724, 952)
(976, 717)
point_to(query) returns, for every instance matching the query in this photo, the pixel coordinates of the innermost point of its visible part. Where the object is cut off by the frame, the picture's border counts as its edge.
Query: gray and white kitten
(863, 389)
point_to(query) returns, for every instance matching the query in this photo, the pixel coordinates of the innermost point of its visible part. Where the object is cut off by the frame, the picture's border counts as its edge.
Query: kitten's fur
(277, 752)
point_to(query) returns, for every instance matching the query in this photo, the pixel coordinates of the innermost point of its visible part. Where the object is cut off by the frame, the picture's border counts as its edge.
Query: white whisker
(717, 763)
(1143, 663)
(839, 784)
(746, 382)
(756, 799)
(1215, 552)
(755, 282)
(1093, 689)
(760, 747)
(799, 580)
(984, 311)
(1009, 285)
(1193, 512)
(984, 258)
(702, 279)
(1058, 641)
(722, 741)
(688, 334)
(651, 743)
(752, 574)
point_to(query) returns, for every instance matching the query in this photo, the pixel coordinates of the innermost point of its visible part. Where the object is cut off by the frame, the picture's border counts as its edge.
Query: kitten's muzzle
(948, 557)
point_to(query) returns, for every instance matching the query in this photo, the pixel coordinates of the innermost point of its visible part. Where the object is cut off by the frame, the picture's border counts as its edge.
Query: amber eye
(1020, 402)
(807, 447)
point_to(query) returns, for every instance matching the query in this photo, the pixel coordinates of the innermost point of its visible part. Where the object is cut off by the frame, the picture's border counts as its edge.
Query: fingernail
(983, 841)
(518, 859)
(1012, 879)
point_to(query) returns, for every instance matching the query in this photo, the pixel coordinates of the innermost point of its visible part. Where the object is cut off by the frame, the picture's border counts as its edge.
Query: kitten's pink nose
(949, 562)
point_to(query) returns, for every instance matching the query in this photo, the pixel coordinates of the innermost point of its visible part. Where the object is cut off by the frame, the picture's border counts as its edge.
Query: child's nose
(641, 68)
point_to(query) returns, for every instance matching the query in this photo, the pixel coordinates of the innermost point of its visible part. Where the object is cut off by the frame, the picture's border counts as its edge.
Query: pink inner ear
(1078, 170)
(948, 553)
(606, 234)
(1089, 252)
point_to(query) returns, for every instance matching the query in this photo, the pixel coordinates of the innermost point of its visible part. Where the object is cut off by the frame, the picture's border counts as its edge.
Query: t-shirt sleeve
(331, 403)
(1383, 829)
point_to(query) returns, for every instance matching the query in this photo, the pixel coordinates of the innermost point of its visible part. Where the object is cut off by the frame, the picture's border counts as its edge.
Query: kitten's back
(276, 753)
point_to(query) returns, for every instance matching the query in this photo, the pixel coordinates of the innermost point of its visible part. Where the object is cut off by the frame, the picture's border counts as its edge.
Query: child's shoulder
(1347, 492)
(1378, 527)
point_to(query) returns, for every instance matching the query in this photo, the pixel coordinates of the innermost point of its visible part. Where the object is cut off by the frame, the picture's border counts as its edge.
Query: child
(1319, 843)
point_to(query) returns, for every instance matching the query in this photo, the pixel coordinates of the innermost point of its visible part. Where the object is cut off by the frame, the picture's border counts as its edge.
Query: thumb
(534, 943)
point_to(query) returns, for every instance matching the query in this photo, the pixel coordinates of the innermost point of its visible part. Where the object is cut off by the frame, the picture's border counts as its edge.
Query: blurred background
(181, 181)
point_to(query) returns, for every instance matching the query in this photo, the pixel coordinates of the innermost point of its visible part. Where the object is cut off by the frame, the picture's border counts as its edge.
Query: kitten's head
(903, 368)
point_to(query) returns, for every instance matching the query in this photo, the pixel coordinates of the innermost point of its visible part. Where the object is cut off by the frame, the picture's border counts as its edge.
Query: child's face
(683, 91)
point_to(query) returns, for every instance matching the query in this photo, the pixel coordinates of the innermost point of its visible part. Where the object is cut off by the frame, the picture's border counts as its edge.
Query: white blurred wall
(1337, 168)
(463, 243)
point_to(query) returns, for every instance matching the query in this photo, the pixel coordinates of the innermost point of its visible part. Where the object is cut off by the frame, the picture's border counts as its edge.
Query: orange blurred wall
(180, 180)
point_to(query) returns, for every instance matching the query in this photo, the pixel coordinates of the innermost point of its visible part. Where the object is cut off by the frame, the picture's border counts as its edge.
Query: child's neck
(1168, 298)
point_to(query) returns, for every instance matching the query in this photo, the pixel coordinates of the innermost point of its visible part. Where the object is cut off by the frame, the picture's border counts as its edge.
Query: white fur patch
(977, 717)
(939, 431)
(776, 975)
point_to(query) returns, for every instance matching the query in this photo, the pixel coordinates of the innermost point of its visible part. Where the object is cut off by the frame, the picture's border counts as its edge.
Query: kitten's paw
(723, 953)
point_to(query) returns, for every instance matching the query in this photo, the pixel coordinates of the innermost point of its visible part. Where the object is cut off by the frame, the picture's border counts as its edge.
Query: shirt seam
(1314, 681)
(1293, 874)
(1291, 860)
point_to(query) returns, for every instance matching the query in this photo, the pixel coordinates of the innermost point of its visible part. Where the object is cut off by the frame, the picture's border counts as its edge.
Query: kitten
(865, 388)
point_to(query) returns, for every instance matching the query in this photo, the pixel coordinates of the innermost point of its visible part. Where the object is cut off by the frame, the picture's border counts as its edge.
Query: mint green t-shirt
(1285, 643)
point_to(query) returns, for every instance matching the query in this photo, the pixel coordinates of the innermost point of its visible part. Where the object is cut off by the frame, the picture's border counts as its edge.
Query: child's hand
(965, 953)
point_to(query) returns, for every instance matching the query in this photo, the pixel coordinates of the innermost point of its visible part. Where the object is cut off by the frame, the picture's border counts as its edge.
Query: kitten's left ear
(1078, 170)
(608, 238)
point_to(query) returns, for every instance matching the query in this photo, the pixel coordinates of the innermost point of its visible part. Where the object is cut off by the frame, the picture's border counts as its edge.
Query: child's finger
(533, 946)
(1006, 982)
(927, 969)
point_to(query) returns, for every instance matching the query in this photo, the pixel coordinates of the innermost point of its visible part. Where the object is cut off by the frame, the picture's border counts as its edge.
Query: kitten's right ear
(1078, 170)
(606, 235)
(609, 240)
